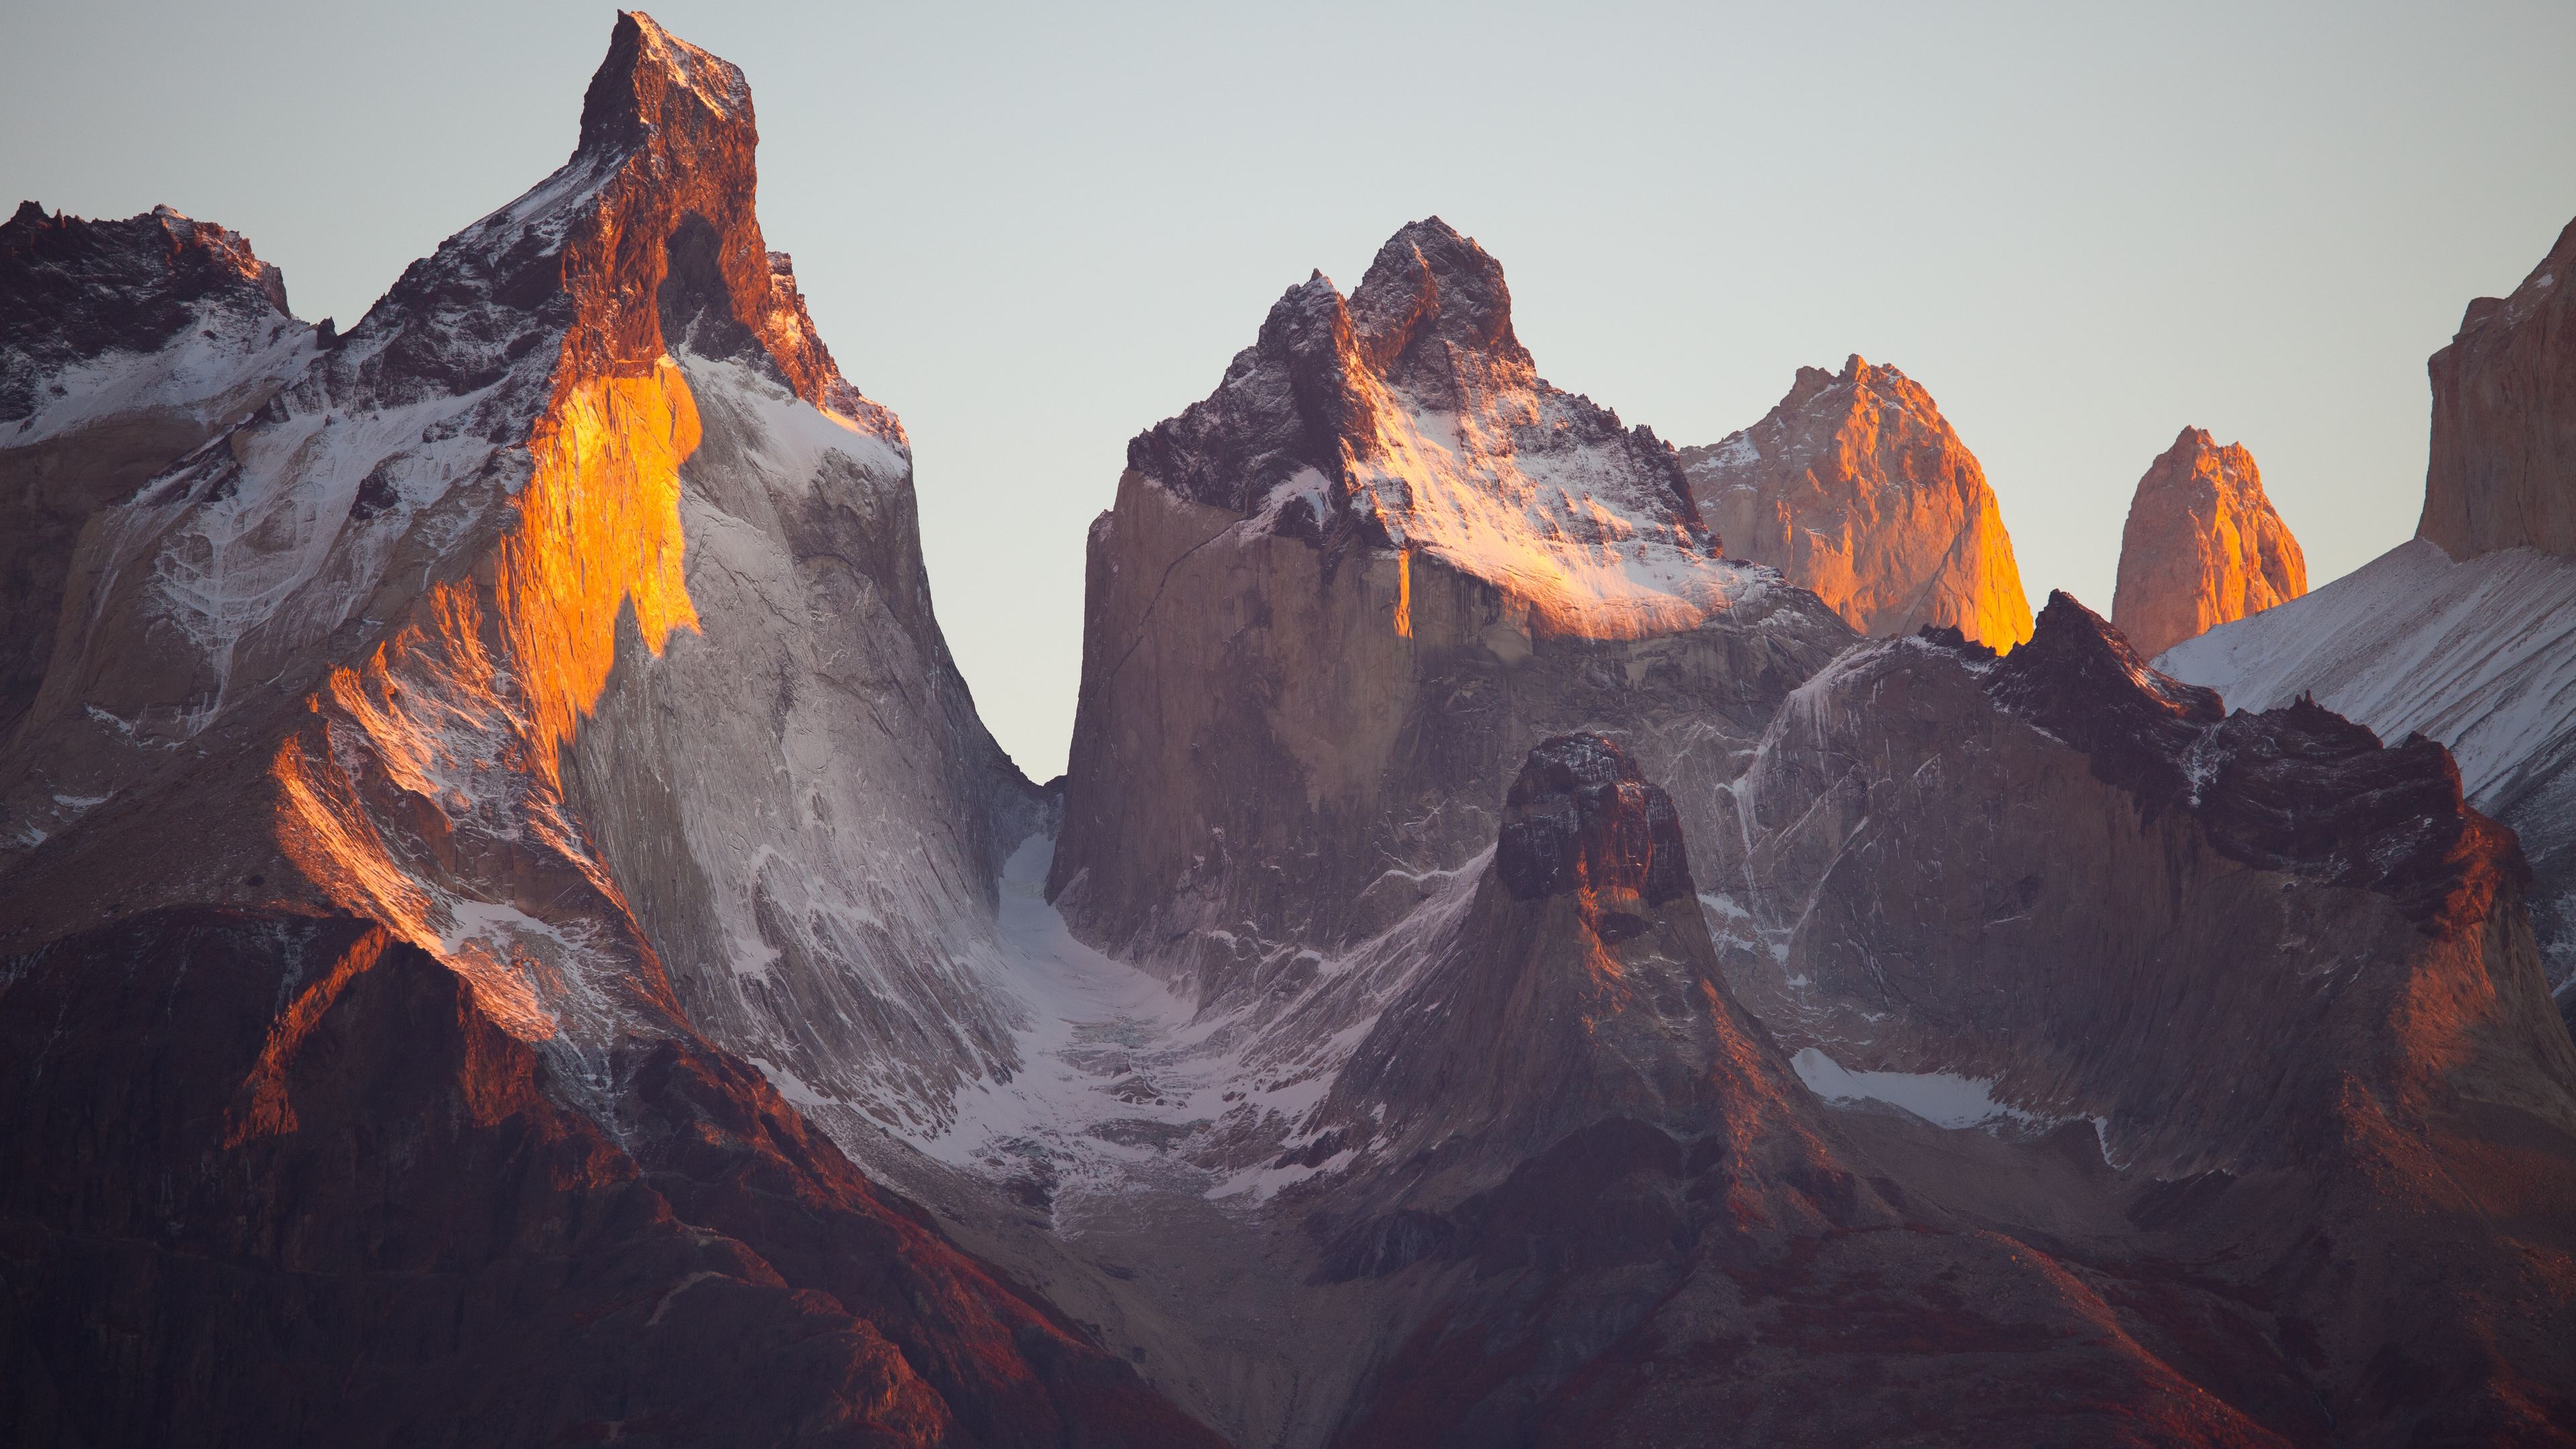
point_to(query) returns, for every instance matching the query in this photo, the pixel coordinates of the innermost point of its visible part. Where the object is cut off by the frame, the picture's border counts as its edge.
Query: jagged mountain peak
(1855, 486)
(651, 79)
(645, 242)
(74, 291)
(1409, 417)
(1431, 288)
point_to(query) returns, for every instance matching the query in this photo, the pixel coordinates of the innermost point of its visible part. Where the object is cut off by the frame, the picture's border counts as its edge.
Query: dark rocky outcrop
(280, 1180)
(1584, 958)
(1580, 818)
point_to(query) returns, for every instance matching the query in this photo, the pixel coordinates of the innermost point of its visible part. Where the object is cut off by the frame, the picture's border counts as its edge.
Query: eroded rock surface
(1856, 487)
(2202, 547)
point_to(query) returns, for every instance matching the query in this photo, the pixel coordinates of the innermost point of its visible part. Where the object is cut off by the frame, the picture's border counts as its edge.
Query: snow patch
(1944, 1099)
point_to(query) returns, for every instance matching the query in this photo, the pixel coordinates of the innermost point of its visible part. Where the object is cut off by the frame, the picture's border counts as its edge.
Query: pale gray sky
(1035, 230)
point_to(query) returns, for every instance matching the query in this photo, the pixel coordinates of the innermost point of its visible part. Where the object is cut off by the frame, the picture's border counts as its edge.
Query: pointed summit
(652, 78)
(1856, 487)
(1431, 302)
(2203, 546)
(1409, 417)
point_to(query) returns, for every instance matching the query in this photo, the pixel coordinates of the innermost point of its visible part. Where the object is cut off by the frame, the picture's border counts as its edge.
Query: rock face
(2203, 546)
(1339, 599)
(2251, 949)
(1585, 949)
(123, 345)
(2503, 468)
(528, 712)
(2479, 655)
(2265, 857)
(1856, 487)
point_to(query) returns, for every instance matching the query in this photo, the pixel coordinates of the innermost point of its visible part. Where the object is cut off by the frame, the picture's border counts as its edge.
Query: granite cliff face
(1856, 487)
(2503, 468)
(443, 780)
(2202, 547)
(1339, 599)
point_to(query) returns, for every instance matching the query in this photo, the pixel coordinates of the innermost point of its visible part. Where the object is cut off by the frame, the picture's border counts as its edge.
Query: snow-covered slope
(2480, 655)
(123, 346)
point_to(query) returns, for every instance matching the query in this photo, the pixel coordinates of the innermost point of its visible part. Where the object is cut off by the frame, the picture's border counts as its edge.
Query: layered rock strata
(1337, 600)
(1856, 487)
(2202, 547)
(529, 712)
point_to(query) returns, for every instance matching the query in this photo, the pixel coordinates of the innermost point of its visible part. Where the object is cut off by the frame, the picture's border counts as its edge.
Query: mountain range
(512, 929)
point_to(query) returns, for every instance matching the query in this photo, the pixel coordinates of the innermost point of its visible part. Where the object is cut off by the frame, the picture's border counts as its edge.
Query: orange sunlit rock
(2202, 547)
(1856, 487)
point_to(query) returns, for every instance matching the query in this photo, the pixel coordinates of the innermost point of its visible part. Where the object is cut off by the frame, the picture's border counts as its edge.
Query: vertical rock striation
(2202, 547)
(2503, 467)
(1856, 487)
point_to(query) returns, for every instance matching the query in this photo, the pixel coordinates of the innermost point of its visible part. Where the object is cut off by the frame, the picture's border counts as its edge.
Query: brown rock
(2203, 546)
(2503, 467)
(1856, 487)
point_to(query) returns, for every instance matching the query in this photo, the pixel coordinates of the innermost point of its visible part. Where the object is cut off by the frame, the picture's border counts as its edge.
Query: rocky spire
(1856, 487)
(2203, 546)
